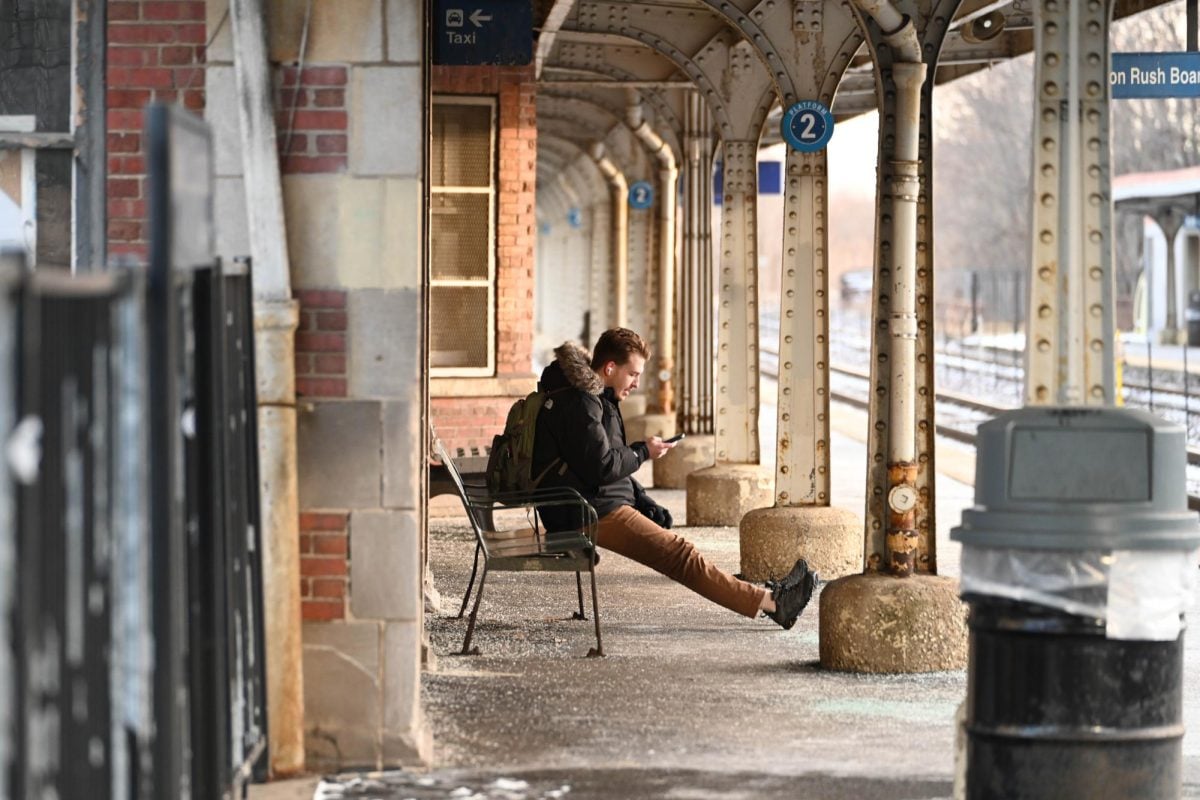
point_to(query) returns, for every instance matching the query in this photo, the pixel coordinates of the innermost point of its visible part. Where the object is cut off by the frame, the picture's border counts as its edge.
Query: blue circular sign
(574, 218)
(641, 195)
(807, 126)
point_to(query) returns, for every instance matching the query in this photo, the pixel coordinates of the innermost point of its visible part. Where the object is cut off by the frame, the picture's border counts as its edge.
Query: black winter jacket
(580, 423)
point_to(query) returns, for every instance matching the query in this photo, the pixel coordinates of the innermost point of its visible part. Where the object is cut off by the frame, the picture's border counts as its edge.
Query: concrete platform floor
(692, 700)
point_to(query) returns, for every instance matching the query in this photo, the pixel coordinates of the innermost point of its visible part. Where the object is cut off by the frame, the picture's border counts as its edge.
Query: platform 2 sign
(641, 195)
(1136, 75)
(807, 126)
(477, 32)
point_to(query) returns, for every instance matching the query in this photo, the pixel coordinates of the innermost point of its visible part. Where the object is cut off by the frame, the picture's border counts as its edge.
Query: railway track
(958, 415)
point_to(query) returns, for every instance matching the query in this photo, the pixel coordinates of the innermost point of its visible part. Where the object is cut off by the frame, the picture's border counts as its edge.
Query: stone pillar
(274, 341)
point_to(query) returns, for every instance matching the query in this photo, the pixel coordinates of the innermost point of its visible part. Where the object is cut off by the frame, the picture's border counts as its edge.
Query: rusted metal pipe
(908, 73)
(668, 176)
(620, 249)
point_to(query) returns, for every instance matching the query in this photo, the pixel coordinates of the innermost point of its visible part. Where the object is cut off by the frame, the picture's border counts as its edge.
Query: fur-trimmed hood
(572, 367)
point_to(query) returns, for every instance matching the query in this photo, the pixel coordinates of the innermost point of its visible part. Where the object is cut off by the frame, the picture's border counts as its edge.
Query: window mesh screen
(459, 326)
(462, 145)
(459, 227)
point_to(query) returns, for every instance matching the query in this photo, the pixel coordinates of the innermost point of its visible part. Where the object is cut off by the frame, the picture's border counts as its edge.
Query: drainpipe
(668, 180)
(275, 319)
(620, 192)
(908, 73)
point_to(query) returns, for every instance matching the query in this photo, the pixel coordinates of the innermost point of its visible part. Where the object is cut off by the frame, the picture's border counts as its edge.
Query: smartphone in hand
(675, 438)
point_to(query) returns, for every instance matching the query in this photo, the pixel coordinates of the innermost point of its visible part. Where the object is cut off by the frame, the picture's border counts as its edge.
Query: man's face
(623, 378)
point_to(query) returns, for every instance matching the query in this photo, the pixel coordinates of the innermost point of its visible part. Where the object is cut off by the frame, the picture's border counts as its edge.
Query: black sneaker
(792, 594)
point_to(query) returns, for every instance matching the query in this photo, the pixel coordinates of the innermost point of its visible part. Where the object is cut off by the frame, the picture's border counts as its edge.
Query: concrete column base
(638, 429)
(723, 494)
(830, 539)
(877, 623)
(693, 453)
(633, 406)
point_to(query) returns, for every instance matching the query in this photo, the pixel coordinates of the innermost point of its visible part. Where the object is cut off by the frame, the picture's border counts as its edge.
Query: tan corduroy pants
(633, 535)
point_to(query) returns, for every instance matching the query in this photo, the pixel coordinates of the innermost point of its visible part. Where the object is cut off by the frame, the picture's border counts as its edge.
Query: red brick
(173, 10)
(314, 164)
(303, 364)
(318, 521)
(122, 11)
(193, 100)
(187, 77)
(290, 97)
(125, 230)
(126, 209)
(331, 321)
(179, 55)
(322, 610)
(329, 587)
(131, 56)
(330, 98)
(124, 187)
(124, 143)
(124, 120)
(320, 342)
(321, 387)
(331, 143)
(298, 143)
(306, 543)
(322, 566)
(324, 76)
(126, 165)
(320, 120)
(329, 365)
(321, 298)
(143, 34)
(191, 34)
(127, 98)
(330, 545)
(305, 587)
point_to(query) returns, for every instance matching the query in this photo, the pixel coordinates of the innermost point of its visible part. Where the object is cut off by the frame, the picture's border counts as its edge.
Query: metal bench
(525, 549)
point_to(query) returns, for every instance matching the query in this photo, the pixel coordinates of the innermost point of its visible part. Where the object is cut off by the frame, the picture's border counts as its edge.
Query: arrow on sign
(478, 18)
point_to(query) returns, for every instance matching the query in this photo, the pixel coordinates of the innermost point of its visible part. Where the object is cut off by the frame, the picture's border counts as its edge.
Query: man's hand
(657, 446)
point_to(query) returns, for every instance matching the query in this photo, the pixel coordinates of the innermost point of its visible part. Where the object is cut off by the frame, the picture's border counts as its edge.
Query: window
(462, 240)
(52, 163)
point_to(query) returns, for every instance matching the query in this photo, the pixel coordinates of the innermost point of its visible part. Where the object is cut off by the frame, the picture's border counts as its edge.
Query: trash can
(1078, 559)
(1192, 315)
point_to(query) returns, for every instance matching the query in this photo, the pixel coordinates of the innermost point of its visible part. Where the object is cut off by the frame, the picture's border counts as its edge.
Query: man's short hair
(617, 345)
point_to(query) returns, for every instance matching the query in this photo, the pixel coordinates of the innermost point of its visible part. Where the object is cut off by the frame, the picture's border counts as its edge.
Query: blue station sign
(1136, 75)
(471, 32)
(807, 126)
(574, 218)
(641, 195)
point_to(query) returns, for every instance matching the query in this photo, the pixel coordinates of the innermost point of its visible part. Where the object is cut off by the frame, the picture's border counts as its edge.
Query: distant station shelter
(1169, 204)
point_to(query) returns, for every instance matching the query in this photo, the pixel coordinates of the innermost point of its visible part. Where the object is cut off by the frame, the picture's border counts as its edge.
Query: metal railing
(131, 613)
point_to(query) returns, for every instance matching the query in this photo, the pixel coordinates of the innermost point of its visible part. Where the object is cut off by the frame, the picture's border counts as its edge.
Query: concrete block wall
(468, 412)
(352, 185)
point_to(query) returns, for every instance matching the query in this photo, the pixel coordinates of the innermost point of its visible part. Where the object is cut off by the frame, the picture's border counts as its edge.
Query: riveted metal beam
(695, 413)
(806, 47)
(739, 93)
(1069, 345)
(932, 19)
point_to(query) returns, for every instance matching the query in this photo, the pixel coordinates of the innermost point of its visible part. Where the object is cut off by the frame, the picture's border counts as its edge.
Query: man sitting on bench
(580, 443)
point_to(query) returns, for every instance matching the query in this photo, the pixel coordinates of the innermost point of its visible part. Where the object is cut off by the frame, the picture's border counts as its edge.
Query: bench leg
(470, 583)
(598, 650)
(580, 614)
(466, 648)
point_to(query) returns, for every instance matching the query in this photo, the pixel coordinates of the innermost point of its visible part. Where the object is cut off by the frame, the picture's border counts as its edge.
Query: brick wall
(516, 227)
(469, 421)
(321, 344)
(155, 55)
(318, 127)
(324, 565)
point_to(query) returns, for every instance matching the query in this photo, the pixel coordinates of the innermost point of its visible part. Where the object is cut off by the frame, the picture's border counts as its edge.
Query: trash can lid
(1069, 478)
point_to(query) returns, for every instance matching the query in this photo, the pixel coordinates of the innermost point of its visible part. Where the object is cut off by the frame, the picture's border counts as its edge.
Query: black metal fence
(131, 629)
